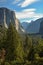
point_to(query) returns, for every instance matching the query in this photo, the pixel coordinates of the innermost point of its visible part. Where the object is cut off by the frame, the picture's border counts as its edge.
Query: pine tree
(28, 45)
(2, 36)
(14, 48)
(32, 52)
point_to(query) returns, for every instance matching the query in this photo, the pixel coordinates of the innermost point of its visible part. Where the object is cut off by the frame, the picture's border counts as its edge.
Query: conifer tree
(14, 48)
(28, 44)
(3, 31)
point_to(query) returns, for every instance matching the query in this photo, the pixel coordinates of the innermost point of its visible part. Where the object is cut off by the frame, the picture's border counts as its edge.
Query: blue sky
(25, 10)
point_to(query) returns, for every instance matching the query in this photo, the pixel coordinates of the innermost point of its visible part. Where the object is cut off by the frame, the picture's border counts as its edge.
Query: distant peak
(3, 8)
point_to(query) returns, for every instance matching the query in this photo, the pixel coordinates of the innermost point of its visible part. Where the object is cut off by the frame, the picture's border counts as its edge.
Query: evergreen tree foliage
(31, 53)
(14, 48)
(27, 46)
(18, 52)
(3, 31)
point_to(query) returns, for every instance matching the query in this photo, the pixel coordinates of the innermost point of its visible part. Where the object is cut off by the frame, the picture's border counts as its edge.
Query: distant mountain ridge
(41, 27)
(25, 25)
(35, 26)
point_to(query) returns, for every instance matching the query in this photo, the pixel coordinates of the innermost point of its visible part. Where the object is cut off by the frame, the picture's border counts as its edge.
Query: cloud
(15, 1)
(37, 16)
(1, 1)
(27, 2)
(29, 10)
(24, 3)
(28, 21)
(28, 13)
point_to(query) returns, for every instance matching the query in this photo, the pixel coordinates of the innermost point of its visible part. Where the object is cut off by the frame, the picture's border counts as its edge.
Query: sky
(25, 10)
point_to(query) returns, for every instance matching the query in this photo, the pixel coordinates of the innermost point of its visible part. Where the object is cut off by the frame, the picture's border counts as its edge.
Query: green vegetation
(15, 51)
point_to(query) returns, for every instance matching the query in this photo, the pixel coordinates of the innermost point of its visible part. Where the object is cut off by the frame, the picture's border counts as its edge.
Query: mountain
(35, 26)
(7, 16)
(25, 25)
(19, 27)
(41, 27)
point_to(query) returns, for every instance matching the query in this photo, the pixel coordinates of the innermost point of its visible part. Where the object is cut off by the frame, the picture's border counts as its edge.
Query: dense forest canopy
(14, 49)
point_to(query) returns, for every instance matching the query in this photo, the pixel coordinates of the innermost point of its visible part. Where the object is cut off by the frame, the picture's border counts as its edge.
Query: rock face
(41, 27)
(25, 25)
(7, 16)
(35, 26)
(19, 27)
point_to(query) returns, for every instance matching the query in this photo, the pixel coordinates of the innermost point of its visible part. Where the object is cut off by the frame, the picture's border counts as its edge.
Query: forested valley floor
(17, 50)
